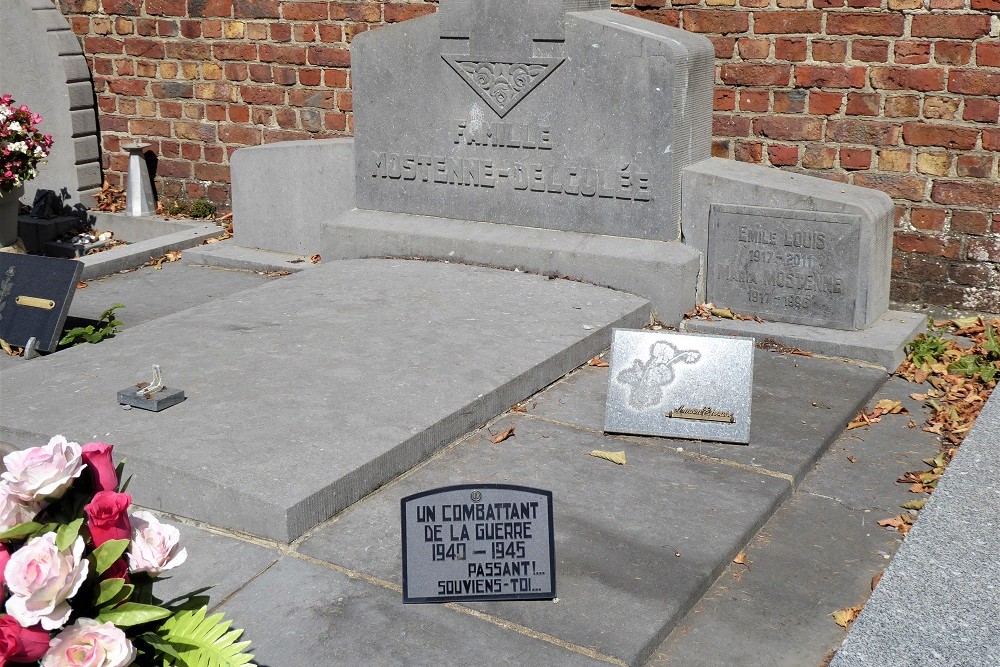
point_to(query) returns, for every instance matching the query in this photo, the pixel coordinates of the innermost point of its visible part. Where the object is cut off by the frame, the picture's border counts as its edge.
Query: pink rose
(154, 545)
(107, 517)
(43, 472)
(13, 510)
(4, 557)
(41, 579)
(88, 643)
(21, 645)
(97, 456)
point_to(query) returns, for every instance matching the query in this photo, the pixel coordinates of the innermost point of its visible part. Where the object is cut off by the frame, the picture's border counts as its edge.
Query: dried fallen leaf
(844, 617)
(851, 459)
(520, 407)
(81, 284)
(741, 559)
(890, 407)
(724, 313)
(598, 363)
(877, 578)
(503, 435)
(315, 259)
(614, 457)
(902, 523)
(10, 349)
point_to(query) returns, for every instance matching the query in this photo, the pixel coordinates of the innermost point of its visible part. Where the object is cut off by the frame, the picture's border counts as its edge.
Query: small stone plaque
(478, 542)
(785, 265)
(680, 386)
(35, 295)
(161, 400)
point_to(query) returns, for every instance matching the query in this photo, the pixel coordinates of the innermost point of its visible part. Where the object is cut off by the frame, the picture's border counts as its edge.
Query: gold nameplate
(35, 302)
(705, 414)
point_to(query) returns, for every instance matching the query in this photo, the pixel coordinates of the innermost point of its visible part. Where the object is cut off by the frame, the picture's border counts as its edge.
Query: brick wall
(898, 95)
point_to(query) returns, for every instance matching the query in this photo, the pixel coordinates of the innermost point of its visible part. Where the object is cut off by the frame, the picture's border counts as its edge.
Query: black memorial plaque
(478, 542)
(35, 294)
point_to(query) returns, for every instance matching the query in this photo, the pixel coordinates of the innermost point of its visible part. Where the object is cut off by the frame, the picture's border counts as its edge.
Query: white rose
(88, 643)
(43, 472)
(41, 579)
(14, 511)
(154, 545)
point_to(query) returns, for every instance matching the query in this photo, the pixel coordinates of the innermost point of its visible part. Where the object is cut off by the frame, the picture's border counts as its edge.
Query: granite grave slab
(35, 295)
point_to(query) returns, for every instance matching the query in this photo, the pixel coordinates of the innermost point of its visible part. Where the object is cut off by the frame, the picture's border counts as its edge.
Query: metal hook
(153, 387)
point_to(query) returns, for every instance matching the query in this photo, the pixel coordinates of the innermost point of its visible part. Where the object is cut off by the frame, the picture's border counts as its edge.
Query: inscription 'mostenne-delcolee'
(527, 171)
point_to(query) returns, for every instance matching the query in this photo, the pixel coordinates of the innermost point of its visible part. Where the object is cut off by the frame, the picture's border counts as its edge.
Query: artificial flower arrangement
(77, 572)
(22, 146)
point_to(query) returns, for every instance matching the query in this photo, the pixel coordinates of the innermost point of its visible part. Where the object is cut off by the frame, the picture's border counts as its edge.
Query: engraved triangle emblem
(502, 85)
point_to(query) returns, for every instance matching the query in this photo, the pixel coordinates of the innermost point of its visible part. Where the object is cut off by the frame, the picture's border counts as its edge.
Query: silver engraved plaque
(680, 386)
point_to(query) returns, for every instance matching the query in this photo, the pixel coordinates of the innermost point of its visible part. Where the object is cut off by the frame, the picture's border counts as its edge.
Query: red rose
(107, 517)
(118, 570)
(97, 456)
(21, 645)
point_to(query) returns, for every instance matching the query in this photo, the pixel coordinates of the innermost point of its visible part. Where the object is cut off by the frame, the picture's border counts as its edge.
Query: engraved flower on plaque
(646, 379)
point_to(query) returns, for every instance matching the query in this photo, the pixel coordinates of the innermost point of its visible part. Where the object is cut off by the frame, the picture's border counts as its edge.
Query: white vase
(9, 203)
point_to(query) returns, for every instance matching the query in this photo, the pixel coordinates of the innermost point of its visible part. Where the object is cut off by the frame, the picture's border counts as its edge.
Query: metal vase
(9, 202)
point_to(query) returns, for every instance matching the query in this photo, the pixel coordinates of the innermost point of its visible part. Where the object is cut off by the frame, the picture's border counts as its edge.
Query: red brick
(287, 118)
(730, 126)
(365, 12)
(988, 5)
(304, 33)
(792, 49)
(122, 7)
(988, 54)
(946, 136)
(321, 99)
(897, 186)
(789, 128)
(211, 172)
(927, 245)
(156, 128)
(926, 269)
(211, 28)
(725, 47)
(982, 110)
(261, 73)
(972, 274)
(861, 23)
(955, 26)
(754, 100)
(870, 50)
(930, 219)
(134, 87)
(215, 8)
(166, 7)
(173, 168)
(103, 45)
(748, 151)
(329, 56)
(825, 104)
(305, 11)
(855, 158)
(970, 222)
(215, 112)
(756, 74)
(280, 32)
(395, 13)
(974, 166)
(787, 22)
(188, 50)
(863, 104)
(984, 250)
(974, 82)
(952, 53)
(335, 121)
(236, 71)
(285, 76)
(236, 134)
(235, 51)
(261, 95)
(908, 78)
(716, 21)
(817, 76)
(255, 9)
(864, 132)
(271, 136)
(827, 4)
(819, 157)
(783, 156)
(902, 106)
(966, 193)
(310, 77)
(790, 101)
(286, 55)
(237, 114)
(724, 99)
(830, 52)
(754, 49)
(991, 140)
(911, 53)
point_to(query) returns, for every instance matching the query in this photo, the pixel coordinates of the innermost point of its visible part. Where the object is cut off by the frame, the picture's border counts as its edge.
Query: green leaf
(132, 613)
(20, 530)
(106, 554)
(205, 641)
(112, 591)
(967, 365)
(67, 534)
(161, 645)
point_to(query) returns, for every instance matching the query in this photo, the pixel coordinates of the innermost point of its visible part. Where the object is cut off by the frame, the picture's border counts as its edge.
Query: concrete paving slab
(228, 255)
(811, 559)
(937, 603)
(307, 393)
(222, 562)
(882, 343)
(620, 584)
(299, 613)
(137, 254)
(800, 405)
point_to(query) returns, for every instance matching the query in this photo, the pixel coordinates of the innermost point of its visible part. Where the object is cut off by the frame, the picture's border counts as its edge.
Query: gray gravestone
(35, 295)
(784, 264)
(556, 114)
(680, 386)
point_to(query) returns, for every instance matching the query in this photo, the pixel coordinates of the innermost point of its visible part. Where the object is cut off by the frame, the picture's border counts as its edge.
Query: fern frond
(202, 641)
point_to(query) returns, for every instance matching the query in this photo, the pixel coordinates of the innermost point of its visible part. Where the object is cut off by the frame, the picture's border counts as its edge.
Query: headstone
(680, 386)
(35, 295)
(560, 114)
(477, 542)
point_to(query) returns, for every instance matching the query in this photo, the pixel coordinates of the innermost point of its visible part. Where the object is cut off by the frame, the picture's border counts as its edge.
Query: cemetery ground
(689, 554)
